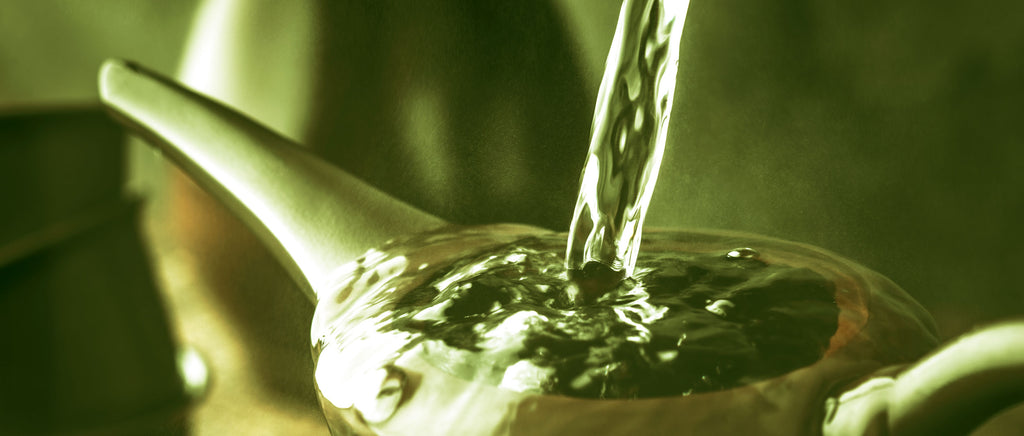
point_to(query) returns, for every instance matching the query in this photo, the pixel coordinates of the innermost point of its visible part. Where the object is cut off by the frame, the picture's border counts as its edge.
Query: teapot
(355, 252)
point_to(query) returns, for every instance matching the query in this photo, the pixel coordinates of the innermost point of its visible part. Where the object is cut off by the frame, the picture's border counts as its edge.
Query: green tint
(888, 132)
(314, 216)
(627, 141)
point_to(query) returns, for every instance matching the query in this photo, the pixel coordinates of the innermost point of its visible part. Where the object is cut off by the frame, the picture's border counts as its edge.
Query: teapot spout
(313, 217)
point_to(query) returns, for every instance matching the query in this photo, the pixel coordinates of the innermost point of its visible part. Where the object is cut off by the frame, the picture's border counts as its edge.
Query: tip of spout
(112, 77)
(123, 84)
(118, 81)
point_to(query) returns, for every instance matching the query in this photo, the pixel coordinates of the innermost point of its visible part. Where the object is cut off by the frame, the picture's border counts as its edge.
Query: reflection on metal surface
(952, 391)
(316, 217)
(193, 371)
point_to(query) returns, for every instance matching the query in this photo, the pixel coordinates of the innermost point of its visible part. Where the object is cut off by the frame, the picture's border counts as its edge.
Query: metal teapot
(318, 221)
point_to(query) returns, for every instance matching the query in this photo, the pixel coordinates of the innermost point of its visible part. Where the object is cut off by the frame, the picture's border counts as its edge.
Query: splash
(458, 326)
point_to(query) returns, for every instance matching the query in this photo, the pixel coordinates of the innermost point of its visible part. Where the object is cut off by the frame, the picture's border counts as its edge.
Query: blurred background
(886, 132)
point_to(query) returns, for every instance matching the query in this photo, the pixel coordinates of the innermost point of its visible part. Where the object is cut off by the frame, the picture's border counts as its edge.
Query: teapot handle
(951, 391)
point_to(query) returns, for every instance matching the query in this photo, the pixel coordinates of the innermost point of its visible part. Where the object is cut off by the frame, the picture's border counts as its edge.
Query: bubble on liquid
(682, 337)
(383, 395)
(668, 355)
(720, 307)
(743, 253)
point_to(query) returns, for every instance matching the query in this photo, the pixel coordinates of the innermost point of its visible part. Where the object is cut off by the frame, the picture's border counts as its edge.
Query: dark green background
(888, 132)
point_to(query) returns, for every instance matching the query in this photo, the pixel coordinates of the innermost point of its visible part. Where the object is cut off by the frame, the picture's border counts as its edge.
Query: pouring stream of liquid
(628, 136)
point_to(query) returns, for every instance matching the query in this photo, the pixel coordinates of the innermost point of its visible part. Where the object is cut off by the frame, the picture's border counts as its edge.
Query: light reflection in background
(50, 51)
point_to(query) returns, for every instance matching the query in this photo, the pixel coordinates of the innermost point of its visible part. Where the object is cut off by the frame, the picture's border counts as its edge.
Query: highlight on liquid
(462, 327)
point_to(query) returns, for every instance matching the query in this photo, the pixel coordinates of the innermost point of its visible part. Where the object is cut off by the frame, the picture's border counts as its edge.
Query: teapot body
(375, 380)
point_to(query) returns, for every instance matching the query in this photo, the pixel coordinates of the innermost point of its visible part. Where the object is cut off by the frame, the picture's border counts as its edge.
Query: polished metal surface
(959, 386)
(314, 216)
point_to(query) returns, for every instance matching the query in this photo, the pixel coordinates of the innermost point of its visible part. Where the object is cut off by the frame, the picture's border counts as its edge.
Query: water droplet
(377, 405)
(720, 307)
(743, 253)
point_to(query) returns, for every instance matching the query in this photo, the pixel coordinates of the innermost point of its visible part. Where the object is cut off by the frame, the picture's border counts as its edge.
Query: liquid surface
(407, 339)
(492, 309)
(685, 323)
